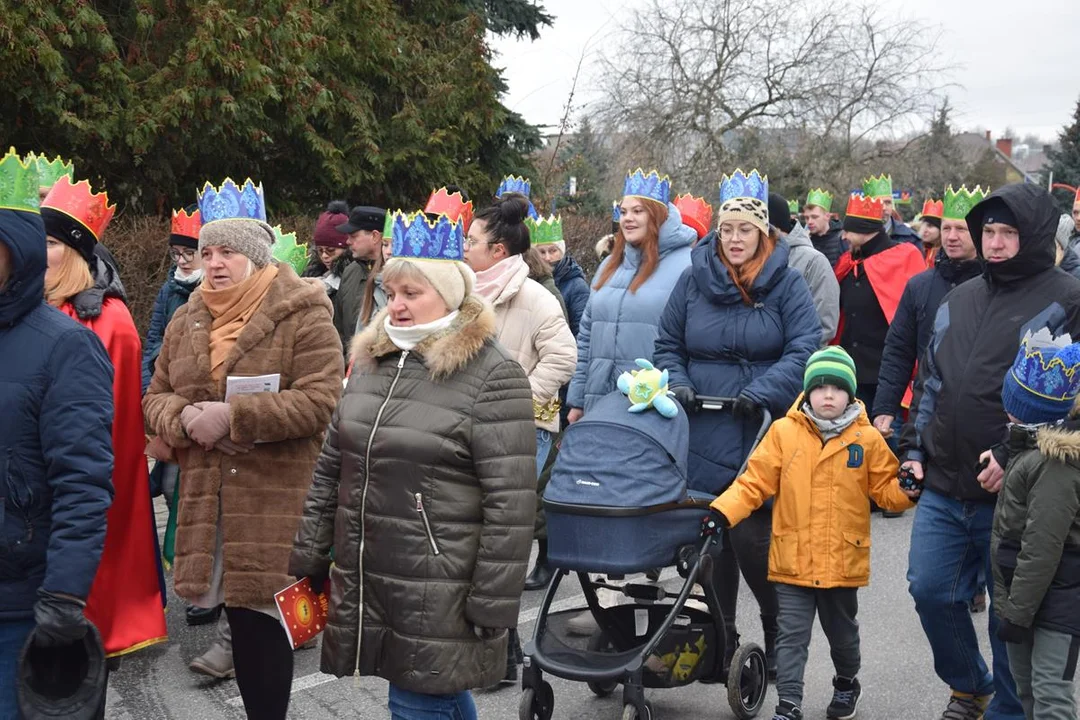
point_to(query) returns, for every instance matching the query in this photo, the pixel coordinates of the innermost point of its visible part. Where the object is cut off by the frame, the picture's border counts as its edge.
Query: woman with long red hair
(621, 320)
(740, 323)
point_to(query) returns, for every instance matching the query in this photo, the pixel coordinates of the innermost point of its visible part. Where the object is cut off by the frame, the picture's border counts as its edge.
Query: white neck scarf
(406, 338)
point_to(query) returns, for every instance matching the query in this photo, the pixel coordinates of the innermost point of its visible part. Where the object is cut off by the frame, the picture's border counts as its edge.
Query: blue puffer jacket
(712, 341)
(619, 326)
(55, 434)
(170, 298)
(574, 288)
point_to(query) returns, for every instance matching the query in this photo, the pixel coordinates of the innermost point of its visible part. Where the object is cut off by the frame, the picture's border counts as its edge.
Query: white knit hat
(452, 279)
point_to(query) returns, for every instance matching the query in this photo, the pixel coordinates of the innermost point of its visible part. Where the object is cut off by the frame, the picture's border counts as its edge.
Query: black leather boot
(541, 573)
(201, 616)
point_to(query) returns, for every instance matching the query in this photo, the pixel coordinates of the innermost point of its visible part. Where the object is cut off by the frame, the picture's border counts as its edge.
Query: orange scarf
(232, 308)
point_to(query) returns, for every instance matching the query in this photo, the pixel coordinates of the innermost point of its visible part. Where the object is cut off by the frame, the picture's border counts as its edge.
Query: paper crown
(186, 225)
(1077, 196)
(867, 208)
(81, 203)
(958, 203)
(820, 198)
(49, 171)
(415, 237)
(1044, 379)
(287, 251)
(453, 205)
(878, 187)
(616, 213)
(740, 185)
(933, 208)
(545, 231)
(19, 183)
(654, 186)
(232, 202)
(696, 213)
(515, 184)
(793, 207)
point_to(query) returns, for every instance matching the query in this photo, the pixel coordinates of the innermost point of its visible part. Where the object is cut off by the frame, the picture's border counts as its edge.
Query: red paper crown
(79, 202)
(1078, 194)
(934, 209)
(860, 206)
(696, 213)
(452, 205)
(186, 225)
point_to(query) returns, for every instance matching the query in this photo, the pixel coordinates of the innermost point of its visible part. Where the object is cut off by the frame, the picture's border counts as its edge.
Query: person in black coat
(826, 234)
(56, 456)
(953, 442)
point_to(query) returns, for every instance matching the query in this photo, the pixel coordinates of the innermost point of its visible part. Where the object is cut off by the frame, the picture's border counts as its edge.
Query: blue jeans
(950, 543)
(543, 447)
(408, 705)
(13, 634)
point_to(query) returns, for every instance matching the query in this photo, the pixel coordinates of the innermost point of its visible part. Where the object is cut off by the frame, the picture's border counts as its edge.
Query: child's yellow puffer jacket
(821, 517)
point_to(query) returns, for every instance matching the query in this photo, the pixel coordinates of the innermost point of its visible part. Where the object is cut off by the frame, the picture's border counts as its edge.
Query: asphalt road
(897, 678)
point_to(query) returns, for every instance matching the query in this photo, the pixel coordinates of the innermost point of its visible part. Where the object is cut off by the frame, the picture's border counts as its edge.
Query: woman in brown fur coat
(246, 459)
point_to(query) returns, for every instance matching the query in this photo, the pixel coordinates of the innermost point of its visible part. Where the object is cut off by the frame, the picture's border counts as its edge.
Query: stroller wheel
(630, 712)
(538, 703)
(599, 643)
(748, 681)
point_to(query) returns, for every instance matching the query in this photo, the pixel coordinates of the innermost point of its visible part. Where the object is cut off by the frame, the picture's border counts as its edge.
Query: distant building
(1021, 163)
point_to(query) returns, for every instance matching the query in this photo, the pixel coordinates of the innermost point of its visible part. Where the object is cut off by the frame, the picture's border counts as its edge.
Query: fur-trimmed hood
(1061, 442)
(444, 352)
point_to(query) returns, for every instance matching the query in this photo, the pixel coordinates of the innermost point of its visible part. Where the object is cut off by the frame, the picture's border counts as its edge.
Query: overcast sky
(1018, 61)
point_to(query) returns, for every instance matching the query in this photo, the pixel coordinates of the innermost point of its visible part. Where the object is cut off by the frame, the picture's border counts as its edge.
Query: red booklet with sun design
(303, 611)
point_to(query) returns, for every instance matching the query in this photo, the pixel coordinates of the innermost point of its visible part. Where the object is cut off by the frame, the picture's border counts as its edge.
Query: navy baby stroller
(618, 503)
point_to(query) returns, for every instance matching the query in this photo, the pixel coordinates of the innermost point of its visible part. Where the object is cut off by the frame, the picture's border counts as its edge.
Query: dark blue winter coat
(912, 325)
(55, 434)
(170, 298)
(712, 341)
(574, 288)
(902, 232)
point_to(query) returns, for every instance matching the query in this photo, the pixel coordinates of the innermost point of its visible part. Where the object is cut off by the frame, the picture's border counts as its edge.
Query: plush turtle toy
(648, 388)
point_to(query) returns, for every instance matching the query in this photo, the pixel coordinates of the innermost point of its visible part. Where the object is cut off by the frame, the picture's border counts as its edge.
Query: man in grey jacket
(811, 263)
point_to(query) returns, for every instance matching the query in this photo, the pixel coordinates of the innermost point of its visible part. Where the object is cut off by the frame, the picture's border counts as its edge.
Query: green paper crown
(19, 184)
(878, 187)
(958, 203)
(49, 171)
(820, 198)
(793, 207)
(545, 231)
(287, 251)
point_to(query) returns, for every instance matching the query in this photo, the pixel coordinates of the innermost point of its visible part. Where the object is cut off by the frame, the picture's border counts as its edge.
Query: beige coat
(530, 324)
(261, 493)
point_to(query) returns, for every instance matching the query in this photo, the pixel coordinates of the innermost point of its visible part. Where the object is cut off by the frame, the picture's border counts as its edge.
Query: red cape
(125, 600)
(888, 271)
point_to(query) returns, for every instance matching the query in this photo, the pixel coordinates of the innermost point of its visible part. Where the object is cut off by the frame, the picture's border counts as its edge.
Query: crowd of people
(385, 418)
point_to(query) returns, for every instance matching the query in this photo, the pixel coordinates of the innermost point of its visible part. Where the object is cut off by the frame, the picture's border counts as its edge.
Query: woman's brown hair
(650, 249)
(367, 309)
(745, 275)
(69, 279)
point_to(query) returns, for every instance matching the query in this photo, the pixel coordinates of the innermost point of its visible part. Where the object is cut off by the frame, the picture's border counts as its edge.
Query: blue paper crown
(1044, 379)
(616, 212)
(653, 186)
(415, 237)
(230, 202)
(521, 186)
(741, 185)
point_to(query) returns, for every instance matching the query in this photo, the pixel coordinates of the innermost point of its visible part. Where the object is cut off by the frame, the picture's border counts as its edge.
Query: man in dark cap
(954, 440)
(364, 229)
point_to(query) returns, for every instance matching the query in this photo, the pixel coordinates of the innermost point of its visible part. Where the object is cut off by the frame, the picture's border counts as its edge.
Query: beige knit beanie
(251, 238)
(453, 280)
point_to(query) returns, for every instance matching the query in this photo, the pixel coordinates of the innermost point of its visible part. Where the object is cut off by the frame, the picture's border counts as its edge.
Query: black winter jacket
(957, 412)
(911, 327)
(863, 324)
(831, 244)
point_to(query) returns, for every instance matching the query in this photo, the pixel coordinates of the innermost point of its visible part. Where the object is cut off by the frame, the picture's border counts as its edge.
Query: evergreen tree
(584, 158)
(1065, 160)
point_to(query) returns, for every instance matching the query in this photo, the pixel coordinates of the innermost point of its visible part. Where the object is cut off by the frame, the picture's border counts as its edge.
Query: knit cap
(452, 279)
(1044, 380)
(830, 366)
(247, 236)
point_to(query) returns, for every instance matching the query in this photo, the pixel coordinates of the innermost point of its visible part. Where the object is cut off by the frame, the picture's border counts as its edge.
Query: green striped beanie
(830, 366)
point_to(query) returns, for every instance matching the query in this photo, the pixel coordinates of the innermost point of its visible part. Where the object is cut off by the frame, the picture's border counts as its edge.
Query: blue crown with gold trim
(743, 185)
(415, 237)
(1044, 380)
(521, 186)
(616, 212)
(232, 202)
(653, 186)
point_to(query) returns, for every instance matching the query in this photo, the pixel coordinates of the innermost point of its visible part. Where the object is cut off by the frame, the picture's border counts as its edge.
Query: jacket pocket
(427, 524)
(784, 554)
(856, 555)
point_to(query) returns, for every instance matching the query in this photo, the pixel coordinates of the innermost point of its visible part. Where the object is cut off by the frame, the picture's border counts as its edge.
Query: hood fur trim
(1061, 442)
(444, 353)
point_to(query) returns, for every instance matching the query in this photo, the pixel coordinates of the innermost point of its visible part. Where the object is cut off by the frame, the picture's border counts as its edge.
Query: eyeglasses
(471, 243)
(327, 251)
(187, 255)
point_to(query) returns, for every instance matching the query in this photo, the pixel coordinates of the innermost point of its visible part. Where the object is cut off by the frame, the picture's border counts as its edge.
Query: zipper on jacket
(363, 501)
(427, 525)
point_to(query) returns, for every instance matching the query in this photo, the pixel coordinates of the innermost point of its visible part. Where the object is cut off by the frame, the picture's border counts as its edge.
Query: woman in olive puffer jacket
(425, 489)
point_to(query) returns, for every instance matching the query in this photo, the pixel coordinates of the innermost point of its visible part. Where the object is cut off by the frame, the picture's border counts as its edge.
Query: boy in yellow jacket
(822, 461)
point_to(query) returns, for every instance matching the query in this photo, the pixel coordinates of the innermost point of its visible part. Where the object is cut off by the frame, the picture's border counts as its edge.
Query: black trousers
(263, 658)
(746, 549)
